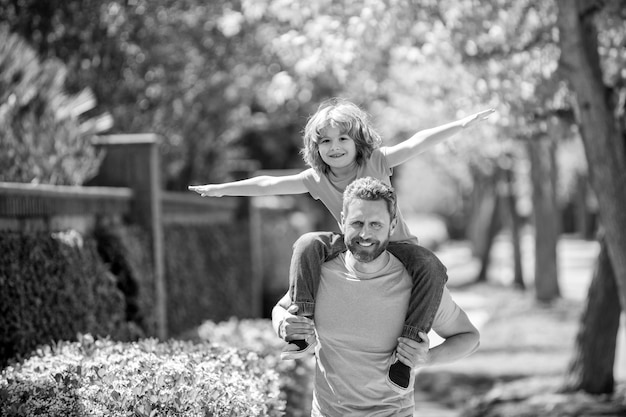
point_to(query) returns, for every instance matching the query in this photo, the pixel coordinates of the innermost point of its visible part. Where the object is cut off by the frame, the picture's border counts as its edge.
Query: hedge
(125, 249)
(296, 377)
(143, 379)
(53, 286)
(208, 274)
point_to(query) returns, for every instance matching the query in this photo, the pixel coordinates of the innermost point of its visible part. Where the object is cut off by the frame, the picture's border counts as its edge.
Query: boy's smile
(336, 154)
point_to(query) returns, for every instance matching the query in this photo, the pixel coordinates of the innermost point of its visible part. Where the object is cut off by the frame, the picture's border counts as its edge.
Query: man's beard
(367, 254)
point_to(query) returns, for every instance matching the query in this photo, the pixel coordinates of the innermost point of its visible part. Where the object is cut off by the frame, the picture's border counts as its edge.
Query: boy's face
(367, 226)
(336, 149)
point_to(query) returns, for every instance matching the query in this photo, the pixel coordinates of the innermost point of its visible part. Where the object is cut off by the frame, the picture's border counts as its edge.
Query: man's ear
(392, 226)
(340, 223)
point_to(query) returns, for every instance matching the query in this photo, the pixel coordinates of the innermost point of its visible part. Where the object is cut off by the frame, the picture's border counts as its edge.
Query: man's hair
(371, 189)
(350, 120)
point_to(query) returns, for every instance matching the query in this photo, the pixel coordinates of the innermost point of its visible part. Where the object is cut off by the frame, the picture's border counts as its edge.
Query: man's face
(367, 226)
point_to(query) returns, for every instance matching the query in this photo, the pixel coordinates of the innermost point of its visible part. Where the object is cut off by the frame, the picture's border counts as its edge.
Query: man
(360, 309)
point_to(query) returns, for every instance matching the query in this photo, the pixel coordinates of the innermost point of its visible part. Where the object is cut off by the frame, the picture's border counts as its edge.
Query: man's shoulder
(336, 263)
(395, 264)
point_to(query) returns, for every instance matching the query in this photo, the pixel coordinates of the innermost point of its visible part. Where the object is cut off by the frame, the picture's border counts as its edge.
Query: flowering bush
(296, 377)
(145, 378)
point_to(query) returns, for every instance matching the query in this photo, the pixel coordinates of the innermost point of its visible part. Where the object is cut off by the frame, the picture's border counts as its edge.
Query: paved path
(575, 262)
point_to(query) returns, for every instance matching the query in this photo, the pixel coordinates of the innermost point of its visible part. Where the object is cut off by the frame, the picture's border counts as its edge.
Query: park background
(109, 110)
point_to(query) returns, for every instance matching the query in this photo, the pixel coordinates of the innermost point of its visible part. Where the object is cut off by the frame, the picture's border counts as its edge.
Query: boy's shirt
(329, 189)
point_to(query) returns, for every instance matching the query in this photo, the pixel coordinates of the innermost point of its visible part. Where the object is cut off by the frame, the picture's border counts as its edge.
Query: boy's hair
(371, 189)
(350, 120)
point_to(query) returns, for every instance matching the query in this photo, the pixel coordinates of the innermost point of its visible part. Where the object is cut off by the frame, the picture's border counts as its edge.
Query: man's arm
(460, 336)
(461, 339)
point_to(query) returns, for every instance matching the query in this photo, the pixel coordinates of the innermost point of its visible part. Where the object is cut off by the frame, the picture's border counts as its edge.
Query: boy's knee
(433, 267)
(307, 240)
(437, 270)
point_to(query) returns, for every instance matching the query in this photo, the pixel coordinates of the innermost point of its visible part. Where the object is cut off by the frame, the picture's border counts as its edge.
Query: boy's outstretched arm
(255, 186)
(428, 138)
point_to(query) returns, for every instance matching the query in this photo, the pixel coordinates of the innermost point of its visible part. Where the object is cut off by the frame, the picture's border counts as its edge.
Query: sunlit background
(227, 86)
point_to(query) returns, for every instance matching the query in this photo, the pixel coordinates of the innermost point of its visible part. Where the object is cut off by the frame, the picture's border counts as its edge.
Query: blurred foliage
(511, 47)
(206, 284)
(219, 80)
(43, 138)
(125, 250)
(236, 79)
(505, 53)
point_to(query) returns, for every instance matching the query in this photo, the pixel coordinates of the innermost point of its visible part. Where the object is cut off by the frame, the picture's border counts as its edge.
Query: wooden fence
(25, 207)
(128, 189)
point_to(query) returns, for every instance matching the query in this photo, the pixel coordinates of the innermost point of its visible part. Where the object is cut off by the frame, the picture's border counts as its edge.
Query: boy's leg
(429, 279)
(310, 251)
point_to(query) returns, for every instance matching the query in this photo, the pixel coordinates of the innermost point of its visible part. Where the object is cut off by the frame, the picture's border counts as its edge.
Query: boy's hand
(477, 117)
(413, 353)
(206, 190)
(294, 327)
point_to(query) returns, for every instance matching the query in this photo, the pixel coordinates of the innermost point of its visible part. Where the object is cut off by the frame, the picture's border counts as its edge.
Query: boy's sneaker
(297, 349)
(399, 377)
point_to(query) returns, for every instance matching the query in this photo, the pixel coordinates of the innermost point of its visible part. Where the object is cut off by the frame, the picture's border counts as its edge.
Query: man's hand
(412, 353)
(294, 327)
(477, 117)
(208, 190)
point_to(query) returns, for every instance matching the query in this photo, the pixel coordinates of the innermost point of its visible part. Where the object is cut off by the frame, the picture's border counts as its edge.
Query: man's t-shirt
(329, 189)
(358, 318)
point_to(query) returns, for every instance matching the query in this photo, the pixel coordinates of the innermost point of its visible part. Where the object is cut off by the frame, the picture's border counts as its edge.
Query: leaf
(115, 395)
(4, 394)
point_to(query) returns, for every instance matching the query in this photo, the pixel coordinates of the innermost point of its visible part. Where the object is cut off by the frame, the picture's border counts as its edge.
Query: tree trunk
(491, 206)
(584, 217)
(591, 368)
(490, 237)
(543, 173)
(511, 200)
(602, 138)
(480, 208)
